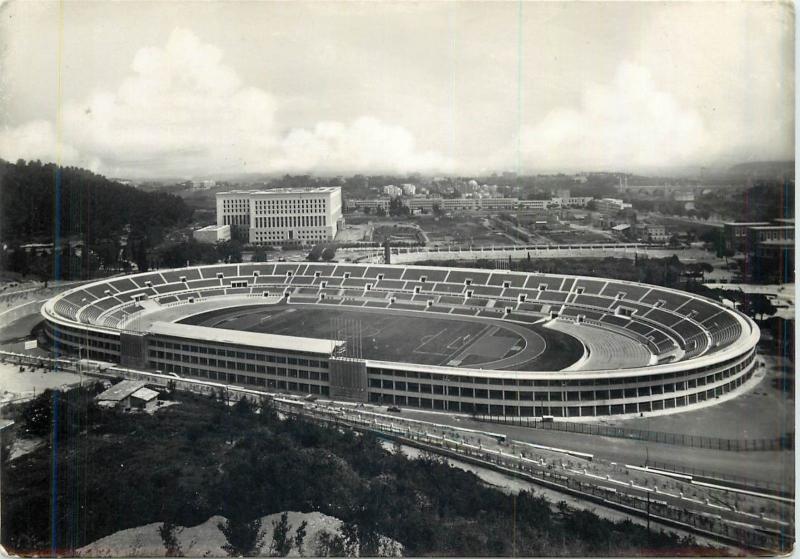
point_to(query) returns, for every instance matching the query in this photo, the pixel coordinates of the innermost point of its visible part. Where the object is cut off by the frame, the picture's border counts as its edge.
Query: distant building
(621, 230)
(611, 205)
(282, 216)
(203, 185)
(571, 201)
(657, 233)
(352, 204)
(128, 394)
(213, 234)
(771, 252)
(534, 204)
(460, 204)
(392, 190)
(409, 189)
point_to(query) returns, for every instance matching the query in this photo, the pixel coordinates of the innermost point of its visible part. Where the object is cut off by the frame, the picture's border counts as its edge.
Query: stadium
(451, 339)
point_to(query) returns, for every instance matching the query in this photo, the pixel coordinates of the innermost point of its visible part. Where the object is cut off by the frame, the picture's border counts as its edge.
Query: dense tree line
(191, 252)
(203, 457)
(764, 200)
(39, 201)
(45, 203)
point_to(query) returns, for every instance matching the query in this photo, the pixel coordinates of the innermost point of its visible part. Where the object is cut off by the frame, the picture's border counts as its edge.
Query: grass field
(407, 337)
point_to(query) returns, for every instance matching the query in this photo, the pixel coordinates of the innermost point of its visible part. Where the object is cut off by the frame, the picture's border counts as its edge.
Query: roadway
(758, 465)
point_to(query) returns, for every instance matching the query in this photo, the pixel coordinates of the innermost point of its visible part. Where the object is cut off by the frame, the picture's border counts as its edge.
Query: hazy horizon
(178, 89)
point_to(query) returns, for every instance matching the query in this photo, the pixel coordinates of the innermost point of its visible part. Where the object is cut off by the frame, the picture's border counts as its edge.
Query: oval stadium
(451, 339)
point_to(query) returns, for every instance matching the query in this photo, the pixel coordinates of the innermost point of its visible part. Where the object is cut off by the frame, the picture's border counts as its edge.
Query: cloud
(367, 144)
(35, 140)
(182, 111)
(628, 123)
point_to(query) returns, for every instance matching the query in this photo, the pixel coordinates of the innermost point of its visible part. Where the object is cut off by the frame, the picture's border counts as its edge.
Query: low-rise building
(655, 233)
(571, 201)
(611, 205)
(129, 394)
(353, 204)
(212, 234)
(534, 204)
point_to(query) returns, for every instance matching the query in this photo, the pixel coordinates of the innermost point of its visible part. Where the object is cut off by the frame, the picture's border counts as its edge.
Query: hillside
(208, 540)
(201, 458)
(75, 209)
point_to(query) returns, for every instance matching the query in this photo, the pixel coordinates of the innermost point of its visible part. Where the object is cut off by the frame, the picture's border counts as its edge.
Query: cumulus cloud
(367, 144)
(627, 123)
(184, 112)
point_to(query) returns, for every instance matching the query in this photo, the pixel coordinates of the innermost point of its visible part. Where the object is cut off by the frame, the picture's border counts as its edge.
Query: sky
(193, 89)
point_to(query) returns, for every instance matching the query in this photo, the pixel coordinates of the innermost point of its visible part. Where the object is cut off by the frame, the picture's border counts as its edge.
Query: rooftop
(773, 228)
(121, 390)
(213, 228)
(276, 191)
(145, 394)
(253, 339)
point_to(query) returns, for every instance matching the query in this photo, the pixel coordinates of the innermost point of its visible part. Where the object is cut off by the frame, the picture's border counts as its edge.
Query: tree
(259, 254)
(244, 538)
(328, 253)
(300, 536)
(322, 251)
(380, 211)
(170, 540)
(230, 251)
(330, 545)
(37, 417)
(674, 242)
(281, 541)
(761, 305)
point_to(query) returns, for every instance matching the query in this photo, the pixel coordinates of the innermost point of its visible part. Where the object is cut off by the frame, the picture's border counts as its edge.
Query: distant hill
(764, 169)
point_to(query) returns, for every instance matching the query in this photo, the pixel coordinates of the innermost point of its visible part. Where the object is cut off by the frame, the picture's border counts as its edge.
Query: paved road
(762, 466)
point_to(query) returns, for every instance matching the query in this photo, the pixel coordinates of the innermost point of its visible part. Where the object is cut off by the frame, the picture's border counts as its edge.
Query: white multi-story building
(409, 189)
(392, 190)
(371, 203)
(571, 202)
(283, 216)
(611, 205)
(233, 208)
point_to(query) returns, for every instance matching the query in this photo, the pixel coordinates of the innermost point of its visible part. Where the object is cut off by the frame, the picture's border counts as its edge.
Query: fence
(782, 489)
(711, 525)
(785, 442)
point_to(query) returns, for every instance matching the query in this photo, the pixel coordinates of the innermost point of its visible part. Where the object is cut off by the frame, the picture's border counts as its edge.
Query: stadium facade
(699, 349)
(282, 216)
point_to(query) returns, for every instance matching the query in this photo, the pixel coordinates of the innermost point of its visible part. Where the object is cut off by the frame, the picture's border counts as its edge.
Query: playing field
(407, 336)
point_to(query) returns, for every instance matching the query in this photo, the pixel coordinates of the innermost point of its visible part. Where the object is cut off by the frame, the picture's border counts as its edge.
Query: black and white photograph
(397, 278)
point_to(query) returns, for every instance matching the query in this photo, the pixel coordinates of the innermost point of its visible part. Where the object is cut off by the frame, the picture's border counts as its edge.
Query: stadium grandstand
(450, 339)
